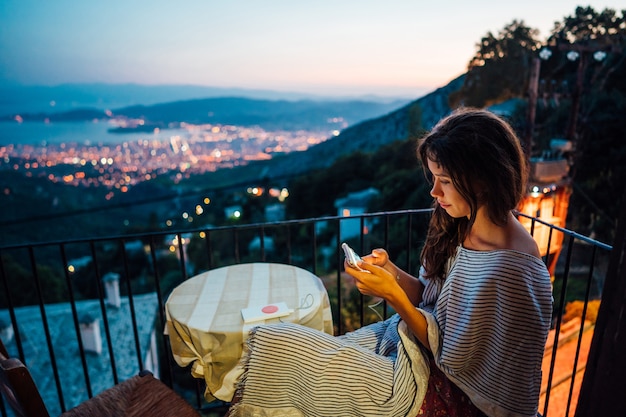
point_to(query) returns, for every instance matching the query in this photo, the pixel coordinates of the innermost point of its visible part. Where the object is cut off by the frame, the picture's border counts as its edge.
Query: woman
(474, 344)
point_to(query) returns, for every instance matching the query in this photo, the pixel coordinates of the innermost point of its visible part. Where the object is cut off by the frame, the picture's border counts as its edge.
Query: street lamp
(545, 54)
(580, 53)
(599, 56)
(573, 52)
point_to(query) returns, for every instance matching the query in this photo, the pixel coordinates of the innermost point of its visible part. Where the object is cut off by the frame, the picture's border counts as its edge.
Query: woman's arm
(411, 285)
(400, 289)
(414, 319)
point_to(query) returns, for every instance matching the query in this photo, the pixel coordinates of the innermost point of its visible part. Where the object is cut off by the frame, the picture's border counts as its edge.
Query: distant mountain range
(301, 114)
(16, 99)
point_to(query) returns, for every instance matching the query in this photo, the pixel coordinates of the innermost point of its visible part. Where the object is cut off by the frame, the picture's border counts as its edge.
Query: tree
(500, 68)
(23, 287)
(314, 194)
(587, 25)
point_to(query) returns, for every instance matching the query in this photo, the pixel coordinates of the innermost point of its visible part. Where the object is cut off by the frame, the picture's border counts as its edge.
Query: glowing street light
(545, 54)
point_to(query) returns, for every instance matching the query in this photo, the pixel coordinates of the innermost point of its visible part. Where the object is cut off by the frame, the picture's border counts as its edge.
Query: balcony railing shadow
(86, 314)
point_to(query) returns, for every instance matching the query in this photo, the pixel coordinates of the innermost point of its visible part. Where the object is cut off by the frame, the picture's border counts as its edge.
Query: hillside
(369, 135)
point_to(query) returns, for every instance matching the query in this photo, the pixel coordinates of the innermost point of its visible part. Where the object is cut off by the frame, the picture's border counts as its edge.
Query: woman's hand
(377, 276)
(381, 283)
(371, 279)
(380, 257)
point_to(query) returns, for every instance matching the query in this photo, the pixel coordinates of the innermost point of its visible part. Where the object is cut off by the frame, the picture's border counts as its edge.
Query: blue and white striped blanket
(291, 370)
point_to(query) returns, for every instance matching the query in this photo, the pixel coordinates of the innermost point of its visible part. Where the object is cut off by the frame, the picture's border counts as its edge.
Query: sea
(85, 133)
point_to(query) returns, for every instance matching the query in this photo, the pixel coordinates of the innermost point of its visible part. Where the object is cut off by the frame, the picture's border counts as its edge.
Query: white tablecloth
(205, 324)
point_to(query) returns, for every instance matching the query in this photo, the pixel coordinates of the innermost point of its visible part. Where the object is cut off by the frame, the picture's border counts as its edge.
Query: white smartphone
(351, 256)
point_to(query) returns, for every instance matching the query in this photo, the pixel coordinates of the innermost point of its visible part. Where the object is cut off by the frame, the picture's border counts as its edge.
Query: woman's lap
(291, 367)
(444, 399)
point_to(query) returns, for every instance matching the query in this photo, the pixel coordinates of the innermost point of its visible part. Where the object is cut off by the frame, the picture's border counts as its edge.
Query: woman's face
(446, 193)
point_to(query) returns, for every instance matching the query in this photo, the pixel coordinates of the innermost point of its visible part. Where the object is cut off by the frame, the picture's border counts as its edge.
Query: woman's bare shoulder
(521, 241)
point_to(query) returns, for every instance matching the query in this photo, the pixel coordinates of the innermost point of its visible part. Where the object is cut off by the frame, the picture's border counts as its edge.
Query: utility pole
(533, 85)
(581, 52)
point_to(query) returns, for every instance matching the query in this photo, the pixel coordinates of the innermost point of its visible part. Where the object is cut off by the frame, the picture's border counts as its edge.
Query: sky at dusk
(330, 47)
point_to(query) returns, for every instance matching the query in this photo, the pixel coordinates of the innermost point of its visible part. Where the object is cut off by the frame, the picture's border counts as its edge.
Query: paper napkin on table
(265, 312)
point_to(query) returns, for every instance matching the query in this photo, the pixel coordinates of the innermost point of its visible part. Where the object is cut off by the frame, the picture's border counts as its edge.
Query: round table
(206, 326)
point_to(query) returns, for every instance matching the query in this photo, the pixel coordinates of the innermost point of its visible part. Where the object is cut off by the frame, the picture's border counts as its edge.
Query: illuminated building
(548, 199)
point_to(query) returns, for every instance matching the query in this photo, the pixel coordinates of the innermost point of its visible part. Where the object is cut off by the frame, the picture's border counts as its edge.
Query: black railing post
(602, 390)
(339, 286)
(46, 328)
(131, 304)
(16, 329)
(103, 310)
(362, 251)
(162, 318)
(209, 249)
(236, 240)
(386, 240)
(262, 243)
(582, 329)
(288, 244)
(314, 247)
(79, 339)
(559, 318)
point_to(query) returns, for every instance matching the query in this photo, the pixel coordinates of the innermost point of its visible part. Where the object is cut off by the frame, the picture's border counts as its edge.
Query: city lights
(205, 148)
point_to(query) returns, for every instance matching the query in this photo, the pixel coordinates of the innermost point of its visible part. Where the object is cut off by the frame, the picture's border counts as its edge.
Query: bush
(574, 309)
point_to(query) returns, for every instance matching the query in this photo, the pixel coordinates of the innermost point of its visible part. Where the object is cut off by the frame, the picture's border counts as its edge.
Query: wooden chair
(141, 395)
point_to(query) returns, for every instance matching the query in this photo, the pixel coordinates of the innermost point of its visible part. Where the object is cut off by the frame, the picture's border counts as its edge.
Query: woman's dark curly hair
(484, 159)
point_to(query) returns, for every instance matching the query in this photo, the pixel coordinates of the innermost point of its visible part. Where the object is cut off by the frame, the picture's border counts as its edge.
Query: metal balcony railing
(80, 334)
